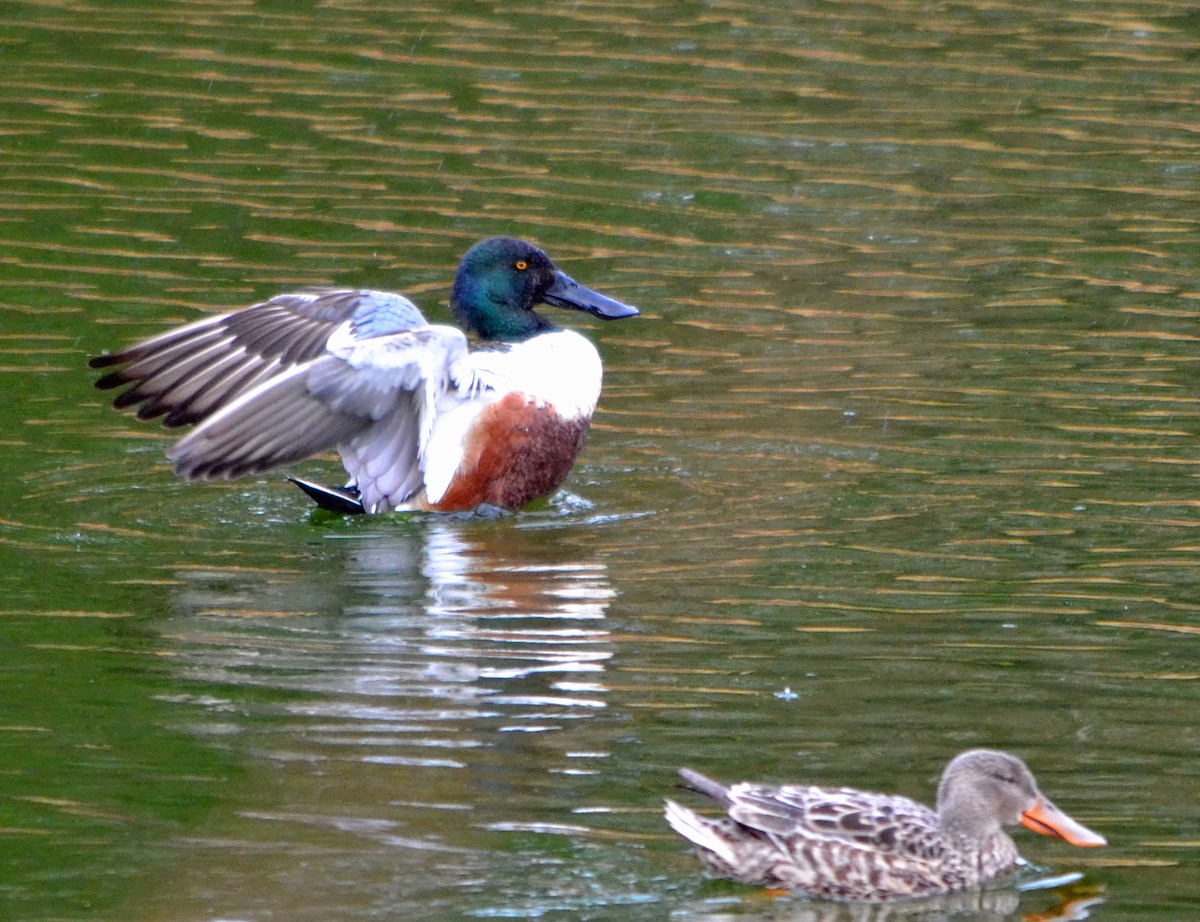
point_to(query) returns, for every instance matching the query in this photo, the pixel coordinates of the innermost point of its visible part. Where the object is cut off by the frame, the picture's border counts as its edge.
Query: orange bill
(1047, 819)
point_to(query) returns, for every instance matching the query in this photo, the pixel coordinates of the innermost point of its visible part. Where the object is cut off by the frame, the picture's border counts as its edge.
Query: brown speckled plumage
(849, 845)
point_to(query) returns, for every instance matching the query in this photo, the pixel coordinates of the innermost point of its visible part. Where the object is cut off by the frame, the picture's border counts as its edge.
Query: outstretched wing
(192, 372)
(374, 399)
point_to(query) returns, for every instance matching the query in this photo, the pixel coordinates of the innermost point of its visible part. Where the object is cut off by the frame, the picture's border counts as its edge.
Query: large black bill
(566, 292)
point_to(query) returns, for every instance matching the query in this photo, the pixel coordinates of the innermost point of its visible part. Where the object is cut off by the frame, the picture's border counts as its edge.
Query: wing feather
(836, 815)
(277, 423)
(190, 373)
(301, 374)
(374, 400)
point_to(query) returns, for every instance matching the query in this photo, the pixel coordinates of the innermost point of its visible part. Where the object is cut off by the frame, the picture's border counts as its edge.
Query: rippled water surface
(900, 459)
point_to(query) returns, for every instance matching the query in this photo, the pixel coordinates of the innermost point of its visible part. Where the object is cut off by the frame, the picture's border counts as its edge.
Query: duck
(848, 845)
(426, 417)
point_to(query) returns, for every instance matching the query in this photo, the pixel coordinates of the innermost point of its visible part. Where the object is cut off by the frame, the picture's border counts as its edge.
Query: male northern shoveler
(420, 421)
(848, 845)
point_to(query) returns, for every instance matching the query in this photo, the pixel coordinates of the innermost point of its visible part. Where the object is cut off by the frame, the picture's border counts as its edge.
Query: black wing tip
(190, 465)
(342, 500)
(107, 360)
(112, 379)
(181, 417)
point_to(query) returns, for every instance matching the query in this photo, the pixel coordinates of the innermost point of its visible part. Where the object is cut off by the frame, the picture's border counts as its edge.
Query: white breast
(560, 369)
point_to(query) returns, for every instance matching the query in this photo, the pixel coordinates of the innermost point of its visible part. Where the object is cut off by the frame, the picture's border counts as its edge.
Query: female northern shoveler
(420, 421)
(843, 844)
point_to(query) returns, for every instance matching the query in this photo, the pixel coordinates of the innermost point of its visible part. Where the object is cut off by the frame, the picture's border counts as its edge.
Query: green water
(900, 459)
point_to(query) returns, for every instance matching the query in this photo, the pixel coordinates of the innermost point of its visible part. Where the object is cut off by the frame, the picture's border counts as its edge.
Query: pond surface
(900, 459)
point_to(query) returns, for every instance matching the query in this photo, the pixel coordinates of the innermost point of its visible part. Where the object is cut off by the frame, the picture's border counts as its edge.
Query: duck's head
(502, 279)
(983, 790)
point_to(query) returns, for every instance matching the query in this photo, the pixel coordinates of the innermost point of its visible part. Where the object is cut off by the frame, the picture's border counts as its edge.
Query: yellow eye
(521, 265)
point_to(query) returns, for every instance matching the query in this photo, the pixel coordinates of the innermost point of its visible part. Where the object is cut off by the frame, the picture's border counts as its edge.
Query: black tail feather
(342, 500)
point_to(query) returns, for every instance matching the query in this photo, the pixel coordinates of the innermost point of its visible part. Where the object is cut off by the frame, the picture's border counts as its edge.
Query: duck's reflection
(1001, 905)
(389, 701)
(518, 618)
(436, 624)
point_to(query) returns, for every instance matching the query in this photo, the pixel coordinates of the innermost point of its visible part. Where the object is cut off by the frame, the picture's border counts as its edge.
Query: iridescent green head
(502, 279)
